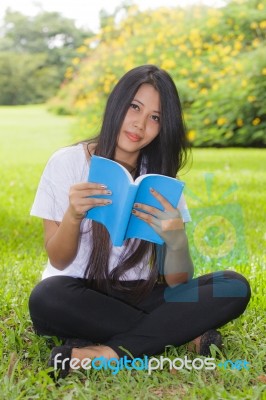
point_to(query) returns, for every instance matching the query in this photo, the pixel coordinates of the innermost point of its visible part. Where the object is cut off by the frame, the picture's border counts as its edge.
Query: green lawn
(227, 184)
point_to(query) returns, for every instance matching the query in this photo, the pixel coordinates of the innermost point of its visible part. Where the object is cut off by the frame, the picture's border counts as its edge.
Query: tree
(36, 50)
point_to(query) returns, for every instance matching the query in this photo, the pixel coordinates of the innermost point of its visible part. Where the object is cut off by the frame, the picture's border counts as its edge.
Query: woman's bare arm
(62, 239)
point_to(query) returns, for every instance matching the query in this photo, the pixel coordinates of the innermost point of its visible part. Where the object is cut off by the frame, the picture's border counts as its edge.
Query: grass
(228, 183)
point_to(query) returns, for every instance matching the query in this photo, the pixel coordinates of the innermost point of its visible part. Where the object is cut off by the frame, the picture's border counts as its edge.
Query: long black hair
(166, 155)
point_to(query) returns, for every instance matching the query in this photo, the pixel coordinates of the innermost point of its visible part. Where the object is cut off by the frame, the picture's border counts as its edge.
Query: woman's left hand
(167, 223)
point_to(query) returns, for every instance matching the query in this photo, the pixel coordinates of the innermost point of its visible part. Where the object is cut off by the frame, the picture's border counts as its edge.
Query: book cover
(117, 217)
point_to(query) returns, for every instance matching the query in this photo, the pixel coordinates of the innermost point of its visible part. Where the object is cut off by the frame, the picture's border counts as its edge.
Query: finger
(94, 202)
(150, 220)
(165, 203)
(149, 209)
(145, 217)
(96, 192)
(89, 185)
(83, 193)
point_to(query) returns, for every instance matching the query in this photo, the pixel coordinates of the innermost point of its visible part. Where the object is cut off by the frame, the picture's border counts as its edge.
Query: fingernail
(136, 205)
(133, 211)
(103, 186)
(108, 202)
(152, 190)
(108, 192)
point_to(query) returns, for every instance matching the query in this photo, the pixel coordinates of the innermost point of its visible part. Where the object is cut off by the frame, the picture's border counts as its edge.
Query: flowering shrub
(215, 56)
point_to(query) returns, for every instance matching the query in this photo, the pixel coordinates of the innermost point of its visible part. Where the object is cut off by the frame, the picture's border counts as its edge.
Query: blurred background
(70, 56)
(59, 60)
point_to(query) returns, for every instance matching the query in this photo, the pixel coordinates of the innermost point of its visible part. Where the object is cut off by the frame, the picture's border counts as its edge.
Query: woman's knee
(45, 303)
(235, 286)
(46, 295)
(237, 277)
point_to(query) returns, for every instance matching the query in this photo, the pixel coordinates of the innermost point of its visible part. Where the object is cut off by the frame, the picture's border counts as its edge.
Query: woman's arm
(178, 266)
(62, 239)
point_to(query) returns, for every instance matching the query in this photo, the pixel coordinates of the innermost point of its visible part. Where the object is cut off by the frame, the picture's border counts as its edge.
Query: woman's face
(141, 124)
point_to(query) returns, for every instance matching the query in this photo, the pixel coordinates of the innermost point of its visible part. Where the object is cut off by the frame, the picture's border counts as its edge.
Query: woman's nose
(139, 123)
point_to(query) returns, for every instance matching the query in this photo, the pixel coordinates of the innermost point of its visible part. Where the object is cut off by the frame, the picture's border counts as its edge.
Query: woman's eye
(134, 106)
(156, 118)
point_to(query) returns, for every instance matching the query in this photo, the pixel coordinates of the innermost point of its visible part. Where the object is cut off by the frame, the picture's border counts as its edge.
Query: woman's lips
(133, 137)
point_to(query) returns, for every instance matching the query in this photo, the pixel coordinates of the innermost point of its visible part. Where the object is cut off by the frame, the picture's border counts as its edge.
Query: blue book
(117, 217)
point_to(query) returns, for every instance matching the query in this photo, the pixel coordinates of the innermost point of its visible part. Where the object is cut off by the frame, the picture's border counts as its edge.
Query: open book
(117, 217)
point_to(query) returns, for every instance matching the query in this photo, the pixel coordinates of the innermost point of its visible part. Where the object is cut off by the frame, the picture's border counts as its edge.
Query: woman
(136, 299)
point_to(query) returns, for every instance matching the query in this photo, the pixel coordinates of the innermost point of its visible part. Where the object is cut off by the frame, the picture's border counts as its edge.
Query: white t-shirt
(65, 168)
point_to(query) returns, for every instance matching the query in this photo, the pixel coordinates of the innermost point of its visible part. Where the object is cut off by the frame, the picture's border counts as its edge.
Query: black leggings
(66, 307)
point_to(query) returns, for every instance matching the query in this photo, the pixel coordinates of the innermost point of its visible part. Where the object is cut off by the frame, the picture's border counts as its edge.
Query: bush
(215, 56)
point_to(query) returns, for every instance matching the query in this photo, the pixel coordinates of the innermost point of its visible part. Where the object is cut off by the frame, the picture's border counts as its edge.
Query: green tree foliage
(215, 55)
(34, 53)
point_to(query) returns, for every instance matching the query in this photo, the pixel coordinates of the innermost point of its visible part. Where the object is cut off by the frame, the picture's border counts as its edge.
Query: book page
(118, 180)
(168, 187)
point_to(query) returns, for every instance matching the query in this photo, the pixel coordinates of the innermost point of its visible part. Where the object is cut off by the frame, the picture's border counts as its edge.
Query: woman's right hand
(80, 202)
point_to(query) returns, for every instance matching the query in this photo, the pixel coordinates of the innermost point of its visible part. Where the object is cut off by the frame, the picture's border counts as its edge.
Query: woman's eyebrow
(138, 101)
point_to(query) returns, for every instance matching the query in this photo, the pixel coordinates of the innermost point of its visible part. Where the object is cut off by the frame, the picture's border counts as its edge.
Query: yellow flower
(238, 66)
(212, 22)
(69, 73)
(253, 25)
(75, 61)
(260, 6)
(214, 58)
(82, 49)
(262, 25)
(160, 37)
(191, 135)
(204, 91)
(183, 71)
(150, 50)
(197, 63)
(256, 121)
(206, 46)
(226, 49)
(239, 122)
(139, 49)
(263, 71)
(251, 99)
(182, 47)
(192, 85)
(238, 45)
(221, 121)
(168, 64)
(256, 42)
(206, 121)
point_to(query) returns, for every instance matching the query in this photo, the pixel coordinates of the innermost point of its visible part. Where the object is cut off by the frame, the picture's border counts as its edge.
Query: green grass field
(228, 184)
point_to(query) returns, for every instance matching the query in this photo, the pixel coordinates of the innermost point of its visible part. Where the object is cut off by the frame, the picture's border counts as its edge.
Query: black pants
(65, 307)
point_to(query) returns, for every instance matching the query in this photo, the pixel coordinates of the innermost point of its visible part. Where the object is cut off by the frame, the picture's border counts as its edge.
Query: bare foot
(195, 345)
(93, 352)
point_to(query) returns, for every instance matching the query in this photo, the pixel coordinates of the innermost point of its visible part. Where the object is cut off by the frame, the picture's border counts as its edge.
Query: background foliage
(34, 54)
(215, 56)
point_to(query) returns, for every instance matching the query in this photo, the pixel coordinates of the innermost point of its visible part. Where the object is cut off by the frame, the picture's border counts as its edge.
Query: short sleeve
(182, 206)
(61, 172)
